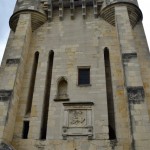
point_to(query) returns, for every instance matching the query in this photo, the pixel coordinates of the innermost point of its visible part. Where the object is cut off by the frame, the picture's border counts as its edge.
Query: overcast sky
(7, 6)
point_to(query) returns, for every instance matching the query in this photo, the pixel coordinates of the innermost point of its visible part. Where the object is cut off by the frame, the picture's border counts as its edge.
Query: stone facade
(42, 103)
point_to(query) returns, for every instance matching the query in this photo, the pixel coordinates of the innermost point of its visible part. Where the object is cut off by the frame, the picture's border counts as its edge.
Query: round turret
(108, 11)
(38, 16)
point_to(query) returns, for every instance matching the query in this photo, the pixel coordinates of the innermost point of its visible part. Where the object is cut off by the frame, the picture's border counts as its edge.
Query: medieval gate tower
(75, 76)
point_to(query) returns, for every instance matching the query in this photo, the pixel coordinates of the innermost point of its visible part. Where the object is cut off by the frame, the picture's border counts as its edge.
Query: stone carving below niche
(135, 94)
(77, 120)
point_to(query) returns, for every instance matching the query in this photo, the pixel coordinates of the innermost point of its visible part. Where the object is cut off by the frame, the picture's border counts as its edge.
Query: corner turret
(33, 7)
(108, 11)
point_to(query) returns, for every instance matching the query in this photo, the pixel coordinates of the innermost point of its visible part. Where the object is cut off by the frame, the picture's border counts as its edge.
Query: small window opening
(25, 129)
(83, 76)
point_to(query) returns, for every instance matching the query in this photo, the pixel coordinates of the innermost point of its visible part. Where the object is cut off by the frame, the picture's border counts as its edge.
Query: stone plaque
(77, 120)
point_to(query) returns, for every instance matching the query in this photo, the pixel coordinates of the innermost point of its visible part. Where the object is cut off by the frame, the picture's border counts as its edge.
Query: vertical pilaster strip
(139, 120)
(13, 74)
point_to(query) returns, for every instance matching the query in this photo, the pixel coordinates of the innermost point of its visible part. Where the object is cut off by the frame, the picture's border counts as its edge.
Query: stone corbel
(61, 9)
(72, 8)
(84, 8)
(50, 10)
(95, 8)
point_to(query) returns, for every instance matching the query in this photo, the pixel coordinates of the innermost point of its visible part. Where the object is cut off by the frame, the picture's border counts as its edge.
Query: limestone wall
(76, 42)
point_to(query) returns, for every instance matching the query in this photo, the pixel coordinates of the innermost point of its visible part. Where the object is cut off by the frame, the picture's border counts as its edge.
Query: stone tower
(75, 76)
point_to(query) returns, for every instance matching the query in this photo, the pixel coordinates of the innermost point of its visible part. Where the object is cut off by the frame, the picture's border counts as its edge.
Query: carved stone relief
(77, 120)
(135, 94)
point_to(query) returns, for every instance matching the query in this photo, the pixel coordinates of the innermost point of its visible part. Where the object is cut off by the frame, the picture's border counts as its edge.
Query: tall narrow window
(110, 102)
(32, 83)
(47, 96)
(25, 129)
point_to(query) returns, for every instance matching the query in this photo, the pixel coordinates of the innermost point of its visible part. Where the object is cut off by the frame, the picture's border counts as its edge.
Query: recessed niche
(62, 88)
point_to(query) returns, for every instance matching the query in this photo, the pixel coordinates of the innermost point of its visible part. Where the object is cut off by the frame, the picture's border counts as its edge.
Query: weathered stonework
(43, 105)
(4, 146)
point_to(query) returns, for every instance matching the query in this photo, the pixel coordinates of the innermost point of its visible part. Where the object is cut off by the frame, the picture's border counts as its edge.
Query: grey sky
(6, 9)
(7, 6)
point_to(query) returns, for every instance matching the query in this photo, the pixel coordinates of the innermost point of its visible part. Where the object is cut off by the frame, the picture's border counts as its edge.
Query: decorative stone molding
(13, 61)
(108, 2)
(135, 94)
(5, 95)
(127, 56)
(77, 120)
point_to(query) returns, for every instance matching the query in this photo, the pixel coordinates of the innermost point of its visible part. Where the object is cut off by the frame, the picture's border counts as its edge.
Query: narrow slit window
(47, 96)
(83, 76)
(25, 129)
(110, 101)
(32, 83)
